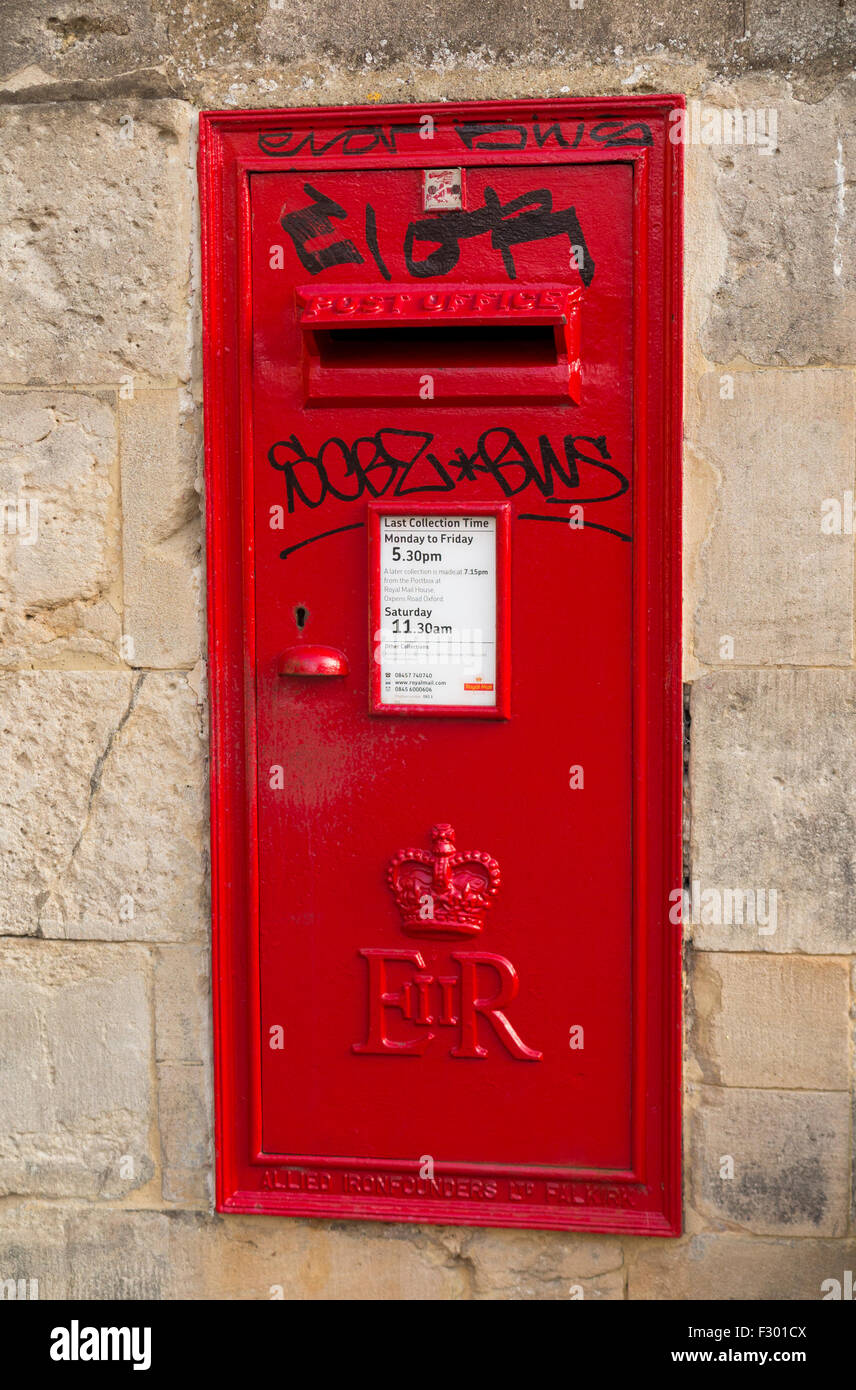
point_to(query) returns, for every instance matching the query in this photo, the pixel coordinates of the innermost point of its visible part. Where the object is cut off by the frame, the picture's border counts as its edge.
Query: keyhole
(300, 615)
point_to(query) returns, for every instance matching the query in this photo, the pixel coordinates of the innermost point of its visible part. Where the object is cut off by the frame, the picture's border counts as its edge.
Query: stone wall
(105, 1052)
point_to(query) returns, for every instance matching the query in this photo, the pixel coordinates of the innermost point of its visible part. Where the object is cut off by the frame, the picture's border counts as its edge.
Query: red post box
(442, 395)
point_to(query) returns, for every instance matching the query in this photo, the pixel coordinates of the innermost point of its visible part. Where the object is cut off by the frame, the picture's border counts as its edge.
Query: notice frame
(461, 645)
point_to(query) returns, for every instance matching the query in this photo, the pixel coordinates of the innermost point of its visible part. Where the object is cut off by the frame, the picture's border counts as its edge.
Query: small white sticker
(442, 190)
(438, 610)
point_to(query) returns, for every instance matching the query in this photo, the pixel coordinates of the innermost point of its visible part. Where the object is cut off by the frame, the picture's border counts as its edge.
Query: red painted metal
(311, 659)
(397, 1030)
(377, 369)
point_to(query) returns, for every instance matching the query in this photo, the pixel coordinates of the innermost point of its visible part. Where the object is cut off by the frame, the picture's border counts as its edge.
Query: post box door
(441, 437)
(358, 786)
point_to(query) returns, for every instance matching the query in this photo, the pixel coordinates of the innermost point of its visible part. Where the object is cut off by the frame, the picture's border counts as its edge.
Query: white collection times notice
(437, 639)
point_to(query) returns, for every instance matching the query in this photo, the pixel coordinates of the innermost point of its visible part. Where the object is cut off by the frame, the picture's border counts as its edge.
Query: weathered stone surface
(281, 50)
(161, 530)
(59, 552)
(54, 729)
(778, 1021)
(100, 1253)
(853, 1098)
(182, 1004)
(717, 1267)
(255, 1258)
(703, 270)
(95, 234)
(134, 1255)
(104, 38)
(32, 1250)
(774, 583)
(542, 1265)
(103, 778)
(853, 1163)
(788, 296)
(791, 33)
(75, 1078)
(385, 32)
(185, 1120)
(790, 1152)
(213, 34)
(772, 773)
(80, 40)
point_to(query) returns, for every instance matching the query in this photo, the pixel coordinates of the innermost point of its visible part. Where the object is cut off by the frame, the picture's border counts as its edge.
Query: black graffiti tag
(317, 220)
(510, 135)
(474, 135)
(402, 463)
(525, 219)
(356, 140)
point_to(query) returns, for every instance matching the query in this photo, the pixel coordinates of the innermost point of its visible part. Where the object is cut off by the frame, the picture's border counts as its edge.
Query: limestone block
(185, 1120)
(54, 728)
(161, 530)
(130, 1255)
(788, 295)
(248, 1258)
(182, 1004)
(244, 1257)
(703, 270)
(772, 778)
(96, 39)
(790, 1157)
(853, 1165)
(212, 41)
(543, 1265)
(384, 33)
(32, 1251)
(75, 1081)
(103, 779)
(59, 529)
(778, 1021)
(773, 582)
(95, 234)
(792, 34)
(718, 1267)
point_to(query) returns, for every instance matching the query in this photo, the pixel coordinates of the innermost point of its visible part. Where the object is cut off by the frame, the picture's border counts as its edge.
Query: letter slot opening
(450, 348)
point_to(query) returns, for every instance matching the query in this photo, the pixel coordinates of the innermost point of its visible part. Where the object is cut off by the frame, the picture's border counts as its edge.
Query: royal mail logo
(442, 894)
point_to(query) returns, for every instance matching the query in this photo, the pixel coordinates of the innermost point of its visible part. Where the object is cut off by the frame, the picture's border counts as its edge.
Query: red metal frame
(232, 146)
(501, 510)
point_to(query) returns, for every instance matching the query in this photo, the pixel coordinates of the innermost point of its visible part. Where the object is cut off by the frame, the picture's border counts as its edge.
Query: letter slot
(488, 343)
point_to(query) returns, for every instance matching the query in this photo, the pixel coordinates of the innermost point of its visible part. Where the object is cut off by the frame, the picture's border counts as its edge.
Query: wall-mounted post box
(442, 401)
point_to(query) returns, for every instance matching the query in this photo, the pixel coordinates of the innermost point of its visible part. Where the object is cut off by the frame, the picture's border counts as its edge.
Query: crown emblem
(445, 893)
